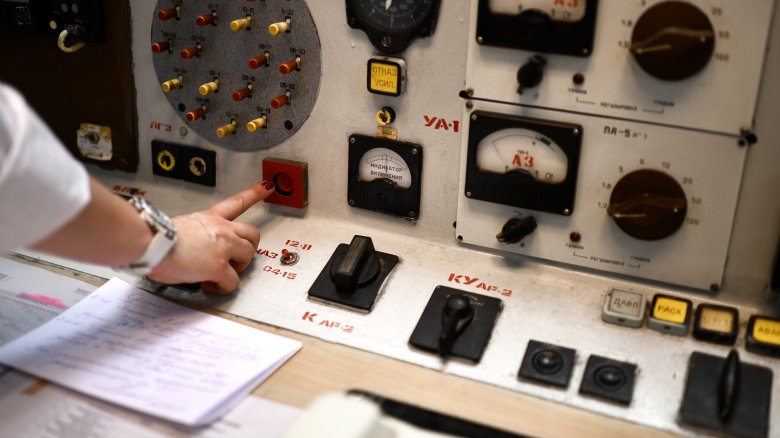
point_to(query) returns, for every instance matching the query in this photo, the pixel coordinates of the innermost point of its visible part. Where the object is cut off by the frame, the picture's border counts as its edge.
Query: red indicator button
(278, 101)
(167, 14)
(289, 66)
(241, 94)
(162, 46)
(258, 61)
(190, 52)
(195, 114)
(204, 20)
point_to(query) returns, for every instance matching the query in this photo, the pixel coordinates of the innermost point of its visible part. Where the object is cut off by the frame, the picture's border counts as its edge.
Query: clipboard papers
(131, 348)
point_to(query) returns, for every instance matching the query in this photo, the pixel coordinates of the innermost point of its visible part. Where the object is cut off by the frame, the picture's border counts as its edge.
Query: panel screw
(183, 131)
(566, 211)
(480, 40)
(411, 214)
(351, 202)
(352, 140)
(576, 132)
(469, 104)
(468, 194)
(473, 117)
(414, 151)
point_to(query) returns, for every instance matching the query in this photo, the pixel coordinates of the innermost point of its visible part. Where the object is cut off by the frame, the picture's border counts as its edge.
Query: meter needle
(388, 4)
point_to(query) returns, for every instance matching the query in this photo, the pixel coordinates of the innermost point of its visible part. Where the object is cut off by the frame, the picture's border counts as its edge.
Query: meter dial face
(383, 163)
(523, 150)
(394, 15)
(557, 10)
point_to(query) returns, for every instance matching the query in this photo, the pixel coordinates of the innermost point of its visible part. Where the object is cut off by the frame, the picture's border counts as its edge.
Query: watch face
(394, 15)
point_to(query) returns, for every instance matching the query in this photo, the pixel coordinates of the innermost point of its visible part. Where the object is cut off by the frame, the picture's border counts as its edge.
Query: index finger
(232, 207)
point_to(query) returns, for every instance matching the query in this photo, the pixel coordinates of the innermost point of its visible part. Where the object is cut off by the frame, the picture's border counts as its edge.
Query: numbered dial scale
(647, 201)
(391, 25)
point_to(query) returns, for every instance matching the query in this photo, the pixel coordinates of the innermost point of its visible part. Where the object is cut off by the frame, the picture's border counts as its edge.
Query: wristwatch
(162, 242)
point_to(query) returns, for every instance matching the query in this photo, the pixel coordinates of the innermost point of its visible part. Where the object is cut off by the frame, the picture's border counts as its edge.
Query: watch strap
(155, 252)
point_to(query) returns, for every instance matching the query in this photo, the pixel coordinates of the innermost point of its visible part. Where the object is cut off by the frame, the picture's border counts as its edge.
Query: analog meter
(523, 162)
(391, 25)
(522, 150)
(383, 163)
(571, 11)
(565, 27)
(384, 175)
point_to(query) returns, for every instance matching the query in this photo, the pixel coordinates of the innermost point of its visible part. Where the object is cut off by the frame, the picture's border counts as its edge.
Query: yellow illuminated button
(716, 324)
(763, 335)
(670, 315)
(767, 331)
(171, 85)
(226, 130)
(277, 28)
(240, 24)
(166, 160)
(256, 124)
(386, 76)
(208, 88)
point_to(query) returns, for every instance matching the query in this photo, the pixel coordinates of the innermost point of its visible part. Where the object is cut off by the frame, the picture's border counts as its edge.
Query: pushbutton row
(711, 323)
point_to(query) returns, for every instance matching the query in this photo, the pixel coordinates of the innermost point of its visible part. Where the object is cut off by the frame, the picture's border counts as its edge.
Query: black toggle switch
(354, 275)
(727, 395)
(515, 229)
(531, 73)
(456, 316)
(455, 323)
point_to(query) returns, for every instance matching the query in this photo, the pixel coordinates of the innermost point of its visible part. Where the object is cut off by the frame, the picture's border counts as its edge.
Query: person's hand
(212, 249)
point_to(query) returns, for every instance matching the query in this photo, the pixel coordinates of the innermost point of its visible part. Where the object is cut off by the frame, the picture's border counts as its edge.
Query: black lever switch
(354, 275)
(455, 317)
(515, 229)
(726, 395)
(455, 323)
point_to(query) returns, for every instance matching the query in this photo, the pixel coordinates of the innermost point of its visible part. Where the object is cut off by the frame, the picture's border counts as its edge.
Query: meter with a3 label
(523, 162)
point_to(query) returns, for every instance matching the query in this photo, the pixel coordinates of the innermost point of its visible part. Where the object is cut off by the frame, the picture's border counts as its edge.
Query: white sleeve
(42, 186)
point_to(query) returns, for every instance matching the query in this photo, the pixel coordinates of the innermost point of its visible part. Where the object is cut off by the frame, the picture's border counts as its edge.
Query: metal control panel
(582, 191)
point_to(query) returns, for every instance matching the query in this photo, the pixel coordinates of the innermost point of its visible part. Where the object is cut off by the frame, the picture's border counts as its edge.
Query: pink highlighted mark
(43, 299)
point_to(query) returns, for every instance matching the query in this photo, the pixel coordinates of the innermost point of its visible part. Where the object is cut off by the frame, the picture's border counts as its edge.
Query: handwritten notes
(129, 347)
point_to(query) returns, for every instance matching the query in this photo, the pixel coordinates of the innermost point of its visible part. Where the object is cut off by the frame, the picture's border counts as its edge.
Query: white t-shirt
(42, 186)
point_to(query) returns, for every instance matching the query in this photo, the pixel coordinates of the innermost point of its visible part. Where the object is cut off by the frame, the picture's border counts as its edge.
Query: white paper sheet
(56, 412)
(127, 346)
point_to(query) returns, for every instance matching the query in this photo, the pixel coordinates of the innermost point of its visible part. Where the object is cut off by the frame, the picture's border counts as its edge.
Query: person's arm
(211, 249)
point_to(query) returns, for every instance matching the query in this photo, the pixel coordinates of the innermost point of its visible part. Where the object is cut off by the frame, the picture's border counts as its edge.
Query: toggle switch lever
(357, 267)
(455, 317)
(728, 387)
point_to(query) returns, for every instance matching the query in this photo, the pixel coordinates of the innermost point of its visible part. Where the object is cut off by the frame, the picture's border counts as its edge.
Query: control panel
(572, 199)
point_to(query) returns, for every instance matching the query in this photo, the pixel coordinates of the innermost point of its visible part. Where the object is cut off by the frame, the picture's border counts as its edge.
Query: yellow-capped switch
(171, 84)
(256, 124)
(670, 315)
(208, 87)
(763, 336)
(386, 76)
(240, 24)
(225, 130)
(280, 27)
(717, 324)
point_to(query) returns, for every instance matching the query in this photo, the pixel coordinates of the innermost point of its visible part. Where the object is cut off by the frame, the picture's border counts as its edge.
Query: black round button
(548, 361)
(610, 377)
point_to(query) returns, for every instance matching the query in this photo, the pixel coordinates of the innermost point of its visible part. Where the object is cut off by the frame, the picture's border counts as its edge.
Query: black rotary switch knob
(648, 204)
(673, 40)
(515, 229)
(531, 73)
